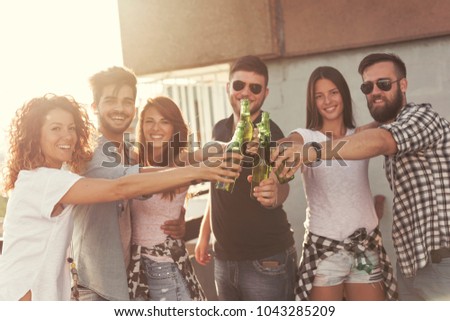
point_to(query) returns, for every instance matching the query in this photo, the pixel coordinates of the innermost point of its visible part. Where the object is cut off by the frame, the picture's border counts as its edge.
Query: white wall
(428, 74)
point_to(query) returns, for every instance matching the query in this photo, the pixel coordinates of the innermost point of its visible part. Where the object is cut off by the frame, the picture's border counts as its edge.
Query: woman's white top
(35, 243)
(339, 199)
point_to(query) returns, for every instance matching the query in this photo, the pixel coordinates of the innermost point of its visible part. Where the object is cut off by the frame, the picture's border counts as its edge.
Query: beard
(105, 123)
(254, 109)
(390, 109)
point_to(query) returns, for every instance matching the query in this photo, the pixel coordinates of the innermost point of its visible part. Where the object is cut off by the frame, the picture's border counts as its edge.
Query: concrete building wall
(166, 35)
(160, 35)
(313, 26)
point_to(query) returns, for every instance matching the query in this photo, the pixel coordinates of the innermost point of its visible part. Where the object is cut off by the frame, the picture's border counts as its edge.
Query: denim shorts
(340, 268)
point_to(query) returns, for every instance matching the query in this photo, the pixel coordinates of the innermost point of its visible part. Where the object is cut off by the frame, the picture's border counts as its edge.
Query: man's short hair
(380, 57)
(118, 76)
(252, 64)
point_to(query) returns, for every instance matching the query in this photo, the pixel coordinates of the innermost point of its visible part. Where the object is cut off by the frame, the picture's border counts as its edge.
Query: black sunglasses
(254, 88)
(384, 84)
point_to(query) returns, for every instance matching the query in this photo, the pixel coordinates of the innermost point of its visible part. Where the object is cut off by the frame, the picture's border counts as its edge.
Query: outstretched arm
(366, 144)
(94, 190)
(373, 124)
(208, 150)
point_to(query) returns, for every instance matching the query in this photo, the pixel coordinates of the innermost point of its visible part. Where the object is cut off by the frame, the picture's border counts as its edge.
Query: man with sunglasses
(255, 257)
(415, 141)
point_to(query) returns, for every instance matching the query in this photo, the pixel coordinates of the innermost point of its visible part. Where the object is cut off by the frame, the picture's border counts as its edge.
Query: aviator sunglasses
(254, 88)
(384, 84)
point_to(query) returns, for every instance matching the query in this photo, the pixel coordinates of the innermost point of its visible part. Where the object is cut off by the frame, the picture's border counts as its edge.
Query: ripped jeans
(165, 281)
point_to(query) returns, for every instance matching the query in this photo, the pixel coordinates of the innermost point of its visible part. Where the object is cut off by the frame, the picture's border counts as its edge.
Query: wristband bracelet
(317, 147)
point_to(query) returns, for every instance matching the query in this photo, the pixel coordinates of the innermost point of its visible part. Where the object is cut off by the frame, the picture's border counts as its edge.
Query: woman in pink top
(160, 269)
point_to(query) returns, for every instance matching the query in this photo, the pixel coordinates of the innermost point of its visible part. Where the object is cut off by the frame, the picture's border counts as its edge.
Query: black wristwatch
(317, 147)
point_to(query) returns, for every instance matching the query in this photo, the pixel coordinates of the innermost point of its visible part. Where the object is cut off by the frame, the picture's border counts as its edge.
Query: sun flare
(53, 46)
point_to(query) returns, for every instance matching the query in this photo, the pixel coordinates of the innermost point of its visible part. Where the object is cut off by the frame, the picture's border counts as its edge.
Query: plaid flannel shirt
(419, 176)
(317, 248)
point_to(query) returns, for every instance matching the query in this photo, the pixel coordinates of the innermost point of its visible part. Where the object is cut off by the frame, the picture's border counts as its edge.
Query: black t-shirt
(243, 228)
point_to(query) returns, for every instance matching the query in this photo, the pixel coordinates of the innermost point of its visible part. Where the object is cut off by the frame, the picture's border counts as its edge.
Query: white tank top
(339, 199)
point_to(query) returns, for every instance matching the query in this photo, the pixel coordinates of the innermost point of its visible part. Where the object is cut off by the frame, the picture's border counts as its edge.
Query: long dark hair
(313, 118)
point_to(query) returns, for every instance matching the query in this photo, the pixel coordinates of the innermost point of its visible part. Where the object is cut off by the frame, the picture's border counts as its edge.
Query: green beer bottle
(246, 120)
(233, 147)
(261, 163)
(242, 134)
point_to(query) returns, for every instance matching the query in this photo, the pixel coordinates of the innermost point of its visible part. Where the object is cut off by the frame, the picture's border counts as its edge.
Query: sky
(53, 46)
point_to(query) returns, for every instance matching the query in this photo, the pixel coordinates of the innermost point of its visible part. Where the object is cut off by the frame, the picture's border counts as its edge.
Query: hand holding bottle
(223, 168)
(287, 157)
(266, 192)
(251, 148)
(242, 134)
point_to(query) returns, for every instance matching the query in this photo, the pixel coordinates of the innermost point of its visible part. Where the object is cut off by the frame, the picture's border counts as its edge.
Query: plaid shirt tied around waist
(317, 248)
(137, 280)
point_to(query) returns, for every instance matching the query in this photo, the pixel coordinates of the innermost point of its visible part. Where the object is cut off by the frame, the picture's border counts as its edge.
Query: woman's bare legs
(327, 293)
(351, 292)
(365, 291)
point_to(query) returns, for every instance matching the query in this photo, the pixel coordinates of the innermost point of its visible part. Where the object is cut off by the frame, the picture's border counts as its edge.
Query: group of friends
(91, 216)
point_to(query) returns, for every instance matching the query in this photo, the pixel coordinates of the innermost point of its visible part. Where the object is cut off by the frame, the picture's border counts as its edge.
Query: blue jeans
(268, 279)
(165, 281)
(430, 283)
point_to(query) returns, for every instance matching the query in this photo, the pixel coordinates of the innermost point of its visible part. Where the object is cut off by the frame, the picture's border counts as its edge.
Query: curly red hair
(25, 131)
